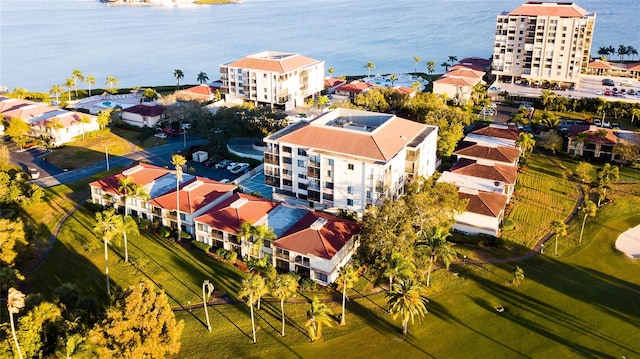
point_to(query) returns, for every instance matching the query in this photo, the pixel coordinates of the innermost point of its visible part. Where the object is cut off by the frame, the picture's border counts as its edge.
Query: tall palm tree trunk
(390, 282)
(282, 310)
(344, 298)
(106, 263)
(15, 337)
(405, 325)
(126, 247)
(178, 209)
(582, 229)
(429, 271)
(253, 323)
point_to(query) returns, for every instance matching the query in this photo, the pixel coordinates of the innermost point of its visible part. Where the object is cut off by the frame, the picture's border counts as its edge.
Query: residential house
(314, 245)
(143, 115)
(279, 79)
(543, 41)
(484, 212)
(501, 175)
(596, 142)
(493, 154)
(348, 159)
(202, 93)
(331, 83)
(493, 135)
(352, 88)
(51, 124)
(606, 68)
(460, 80)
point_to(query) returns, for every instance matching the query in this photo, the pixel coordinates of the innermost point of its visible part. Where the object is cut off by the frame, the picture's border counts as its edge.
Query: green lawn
(583, 303)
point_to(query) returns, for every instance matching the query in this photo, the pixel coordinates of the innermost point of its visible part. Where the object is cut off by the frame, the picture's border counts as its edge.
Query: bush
(185, 235)
(164, 232)
(231, 256)
(144, 224)
(221, 252)
(93, 207)
(491, 241)
(201, 245)
(518, 186)
(307, 284)
(508, 224)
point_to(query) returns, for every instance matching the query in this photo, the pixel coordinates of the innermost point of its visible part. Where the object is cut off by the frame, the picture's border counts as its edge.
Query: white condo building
(348, 159)
(543, 41)
(278, 79)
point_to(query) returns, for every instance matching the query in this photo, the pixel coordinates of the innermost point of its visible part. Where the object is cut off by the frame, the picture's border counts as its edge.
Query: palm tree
(15, 302)
(331, 71)
(125, 186)
(283, 287)
(631, 51)
(398, 267)
(91, 81)
(452, 59)
(393, 79)
(589, 209)
(179, 162)
(634, 112)
(347, 276)
(406, 301)
(207, 289)
(178, 74)
(446, 66)
(606, 175)
(622, 50)
(125, 225)
(111, 82)
(526, 142)
(431, 67)
(140, 193)
(318, 315)
(437, 247)
(369, 66)
(84, 120)
(559, 229)
(107, 227)
(250, 289)
(416, 61)
(77, 75)
(55, 90)
(68, 84)
(202, 77)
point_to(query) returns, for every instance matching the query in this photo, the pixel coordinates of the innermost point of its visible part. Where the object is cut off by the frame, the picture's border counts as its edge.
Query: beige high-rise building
(543, 42)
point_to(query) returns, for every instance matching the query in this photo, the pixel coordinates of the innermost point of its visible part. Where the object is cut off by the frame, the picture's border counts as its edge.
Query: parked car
(240, 167)
(606, 124)
(607, 82)
(625, 83)
(486, 112)
(599, 92)
(231, 165)
(597, 122)
(223, 164)
(607, 93)
(34, 173)
(493, 105)
(209, 163)
(161, 135)
(631, 92)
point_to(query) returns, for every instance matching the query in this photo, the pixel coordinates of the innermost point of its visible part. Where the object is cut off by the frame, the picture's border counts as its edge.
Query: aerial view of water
(42, 41)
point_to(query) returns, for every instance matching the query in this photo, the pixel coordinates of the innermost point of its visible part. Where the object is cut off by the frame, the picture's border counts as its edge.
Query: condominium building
(278, 79)
(348, 159)
(543, 41)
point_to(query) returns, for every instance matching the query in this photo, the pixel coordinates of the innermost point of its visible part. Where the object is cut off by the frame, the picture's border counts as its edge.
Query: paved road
(52, 176)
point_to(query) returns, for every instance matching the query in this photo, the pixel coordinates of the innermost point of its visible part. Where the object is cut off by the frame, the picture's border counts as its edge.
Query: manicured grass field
(583, 303)
(80, 153)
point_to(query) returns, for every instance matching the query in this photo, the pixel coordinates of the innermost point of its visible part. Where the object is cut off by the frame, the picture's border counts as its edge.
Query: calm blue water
(42, 41)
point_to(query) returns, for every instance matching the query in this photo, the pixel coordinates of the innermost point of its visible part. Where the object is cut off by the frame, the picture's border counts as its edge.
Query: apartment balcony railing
(216, 235)
(313, 185)
(271, 159)
(282, 256)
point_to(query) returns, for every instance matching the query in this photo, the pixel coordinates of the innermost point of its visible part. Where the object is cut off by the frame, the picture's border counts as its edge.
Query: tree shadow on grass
(582, 288)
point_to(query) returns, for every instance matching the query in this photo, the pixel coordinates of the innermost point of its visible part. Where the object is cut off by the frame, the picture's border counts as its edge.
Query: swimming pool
(112, 104)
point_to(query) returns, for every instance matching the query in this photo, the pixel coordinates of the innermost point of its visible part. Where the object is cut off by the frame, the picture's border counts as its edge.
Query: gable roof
(382, 143)
(457, 81)
(272, 61)
(196, 193)
(496, 172)
(235, 210)
(146, 110)
(318, 234)
(536, 8)
(354, 87)
(141, 174)
(461, 71)
(332, 82)
(507, 133)
(494, 153)
(484, 203)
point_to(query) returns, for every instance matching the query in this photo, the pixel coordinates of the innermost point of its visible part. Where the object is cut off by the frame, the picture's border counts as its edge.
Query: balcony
(313, 172)
(272, 181)
(271, 159)
(284, 256)
(313, 196)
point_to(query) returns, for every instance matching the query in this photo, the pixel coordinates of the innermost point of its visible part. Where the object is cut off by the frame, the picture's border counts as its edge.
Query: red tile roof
(535, 8)
(383, 143)
(332, 82)
(146, 110)
(496, 172)
(509, 133)
(194, 194)
(457, 81)
(596, 135)
(141, 174)
(354, 87)
(484, 203)
(318, 234)
(497, 153)
(463, 72)
(237, 209)
(273, 62)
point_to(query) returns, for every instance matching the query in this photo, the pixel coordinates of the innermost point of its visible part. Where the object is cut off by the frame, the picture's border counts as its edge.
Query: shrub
(164, 232)
(491, 241)
(508, 224)
(93, 207)
(201, 245)
(144, 224)
(518, 186)
(307, 284)
(231, 256)
(185, 235)
(221, 252)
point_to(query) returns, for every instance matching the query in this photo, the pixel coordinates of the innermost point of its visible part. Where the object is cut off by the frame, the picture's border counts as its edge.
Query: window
(328, 185)
(302, 152)
(286, 149)
(350, 166)
(330, 160)
(302, 176)
(301, 163)
(350, 189)
(349, 202)
(321, 277)
(183, 217)
(202, 227)
(286, 160)
(302, 186)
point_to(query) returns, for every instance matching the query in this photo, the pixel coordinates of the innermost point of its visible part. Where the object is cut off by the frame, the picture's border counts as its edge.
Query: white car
(599, 92)
(487, 112)
(493, 105)
(240, 167)
(231, 165)
(34, 173)
(161, 135)
(597, 122)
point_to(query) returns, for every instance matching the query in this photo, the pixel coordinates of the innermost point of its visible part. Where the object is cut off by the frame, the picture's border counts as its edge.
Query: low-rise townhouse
(52, 124)
(143, 115)
(348, 159)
